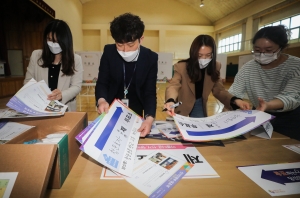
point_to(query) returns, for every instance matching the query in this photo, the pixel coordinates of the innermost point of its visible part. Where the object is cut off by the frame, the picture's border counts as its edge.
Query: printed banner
(224, 125)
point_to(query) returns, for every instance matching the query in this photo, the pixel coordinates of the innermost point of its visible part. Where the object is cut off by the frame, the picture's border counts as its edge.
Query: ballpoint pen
(173, 106)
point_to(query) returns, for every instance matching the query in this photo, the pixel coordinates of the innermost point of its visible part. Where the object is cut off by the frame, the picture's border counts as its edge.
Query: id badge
(126, 101)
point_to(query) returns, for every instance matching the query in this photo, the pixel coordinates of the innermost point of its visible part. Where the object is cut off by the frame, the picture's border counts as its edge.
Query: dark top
(53, 75)
(199, 85)
(142, 91)
(130, 80)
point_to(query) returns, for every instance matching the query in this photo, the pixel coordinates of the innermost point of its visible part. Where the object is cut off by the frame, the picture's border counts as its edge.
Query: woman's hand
(170, 111)
(55, 95)
(242, 104)
(263, 105)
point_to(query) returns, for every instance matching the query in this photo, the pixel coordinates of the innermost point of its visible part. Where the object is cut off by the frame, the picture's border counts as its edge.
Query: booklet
(275, 179)
(186, 152)
(113, 142)
(157, 173)
(224, 125)
(32, 99)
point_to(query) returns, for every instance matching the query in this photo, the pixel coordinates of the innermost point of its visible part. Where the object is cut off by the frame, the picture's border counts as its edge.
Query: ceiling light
(201, 4)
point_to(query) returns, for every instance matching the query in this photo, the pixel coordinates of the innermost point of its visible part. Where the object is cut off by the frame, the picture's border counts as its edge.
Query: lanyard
(126, 88)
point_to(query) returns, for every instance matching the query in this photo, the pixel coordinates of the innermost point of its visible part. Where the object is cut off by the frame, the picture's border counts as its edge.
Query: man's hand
(146, 126)
(102, 106)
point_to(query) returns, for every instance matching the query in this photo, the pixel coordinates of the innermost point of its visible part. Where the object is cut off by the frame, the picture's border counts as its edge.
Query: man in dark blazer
(128, 71)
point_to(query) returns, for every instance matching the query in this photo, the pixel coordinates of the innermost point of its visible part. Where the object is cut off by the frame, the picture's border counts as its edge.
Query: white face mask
(203, 62)
(261, 58)
(130, 56)
(54, 47)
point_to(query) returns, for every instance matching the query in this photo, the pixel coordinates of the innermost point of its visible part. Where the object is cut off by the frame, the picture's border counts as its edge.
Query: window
(230, 44)
(292, 23)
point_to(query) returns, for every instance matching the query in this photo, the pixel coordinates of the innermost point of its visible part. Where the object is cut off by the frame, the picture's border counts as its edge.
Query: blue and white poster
(114, 141)
(224, 125)
(275, 179)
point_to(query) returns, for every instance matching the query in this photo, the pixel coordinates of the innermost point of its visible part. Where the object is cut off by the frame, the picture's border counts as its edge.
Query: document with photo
(113, 142)
(157, 173)
(186, 152)
(33, 100)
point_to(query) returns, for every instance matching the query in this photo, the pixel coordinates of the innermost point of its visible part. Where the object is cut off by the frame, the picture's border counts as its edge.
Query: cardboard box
(66, 151)
(33, 164)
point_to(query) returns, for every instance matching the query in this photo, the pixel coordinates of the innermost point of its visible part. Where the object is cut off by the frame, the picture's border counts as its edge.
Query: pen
(173, 106)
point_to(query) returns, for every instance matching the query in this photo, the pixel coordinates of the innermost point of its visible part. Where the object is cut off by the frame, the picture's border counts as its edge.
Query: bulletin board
(165, 66)
(91, 63)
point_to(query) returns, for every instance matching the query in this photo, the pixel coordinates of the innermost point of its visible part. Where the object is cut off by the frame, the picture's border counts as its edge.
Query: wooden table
(84, 178)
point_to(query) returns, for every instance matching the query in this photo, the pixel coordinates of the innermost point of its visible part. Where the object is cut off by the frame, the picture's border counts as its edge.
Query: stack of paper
(9, 130)
(32, 99)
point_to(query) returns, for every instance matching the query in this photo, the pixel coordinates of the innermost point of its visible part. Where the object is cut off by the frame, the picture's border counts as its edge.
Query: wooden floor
(86, 102)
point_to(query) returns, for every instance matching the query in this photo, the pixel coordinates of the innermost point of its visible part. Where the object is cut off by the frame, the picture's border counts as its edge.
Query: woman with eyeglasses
(194, 79)
(272, 80)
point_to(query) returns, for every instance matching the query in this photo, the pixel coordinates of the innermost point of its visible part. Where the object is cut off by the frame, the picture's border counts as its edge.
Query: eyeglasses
(269, 54)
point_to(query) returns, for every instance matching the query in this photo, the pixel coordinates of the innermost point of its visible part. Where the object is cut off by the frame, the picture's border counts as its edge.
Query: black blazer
(110, 77)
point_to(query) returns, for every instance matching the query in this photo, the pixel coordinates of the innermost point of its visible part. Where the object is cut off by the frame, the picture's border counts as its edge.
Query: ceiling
(212, 9)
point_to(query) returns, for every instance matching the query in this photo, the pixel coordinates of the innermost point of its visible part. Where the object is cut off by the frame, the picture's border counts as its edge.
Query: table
(84, 178)
(89, 92)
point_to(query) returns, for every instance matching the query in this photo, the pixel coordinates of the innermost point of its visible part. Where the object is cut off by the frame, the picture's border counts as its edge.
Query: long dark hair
(64, 39)
(193, 68)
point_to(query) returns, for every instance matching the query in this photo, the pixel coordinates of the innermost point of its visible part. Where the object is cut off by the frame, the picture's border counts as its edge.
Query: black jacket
(111, 73)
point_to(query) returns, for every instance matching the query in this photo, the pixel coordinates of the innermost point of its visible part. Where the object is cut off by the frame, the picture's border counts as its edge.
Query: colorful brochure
(275, 179)
(186, 152)
(32, 100)
(224, 125)
(157, 173)
(113, 142)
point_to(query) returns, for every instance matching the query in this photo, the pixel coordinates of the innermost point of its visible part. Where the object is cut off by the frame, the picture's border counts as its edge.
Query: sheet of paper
(33, 100)
(275, 179)
(7, 181)
(224, 125)
(157, 173)
(169, 129)
(9, 130)
(293, 147)
(113, 142)
(185, 152)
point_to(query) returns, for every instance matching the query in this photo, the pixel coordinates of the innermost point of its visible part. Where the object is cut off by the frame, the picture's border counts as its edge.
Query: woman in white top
(57, 64)
(272, 80)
